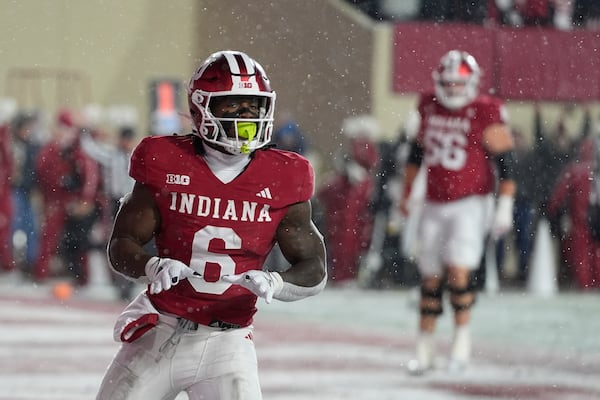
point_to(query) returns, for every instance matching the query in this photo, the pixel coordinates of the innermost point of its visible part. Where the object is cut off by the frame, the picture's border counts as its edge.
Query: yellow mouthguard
(246, 130)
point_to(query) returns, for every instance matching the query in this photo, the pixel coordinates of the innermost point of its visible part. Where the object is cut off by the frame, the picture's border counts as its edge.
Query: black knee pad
(436, 296)
(456, 293)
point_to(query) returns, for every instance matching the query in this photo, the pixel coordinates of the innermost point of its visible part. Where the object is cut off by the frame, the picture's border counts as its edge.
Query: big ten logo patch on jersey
(177, 179)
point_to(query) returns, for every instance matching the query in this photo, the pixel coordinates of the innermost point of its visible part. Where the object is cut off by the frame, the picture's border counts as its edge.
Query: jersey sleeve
(298, 180)
(308, 186)
(424, 99)
(137, 167)
(495, 110)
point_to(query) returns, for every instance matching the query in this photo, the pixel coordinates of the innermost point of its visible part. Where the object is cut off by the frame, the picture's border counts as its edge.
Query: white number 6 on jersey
(201, 255)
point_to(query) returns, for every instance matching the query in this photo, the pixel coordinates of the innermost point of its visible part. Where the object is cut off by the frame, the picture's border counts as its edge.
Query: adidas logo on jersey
(265, 193)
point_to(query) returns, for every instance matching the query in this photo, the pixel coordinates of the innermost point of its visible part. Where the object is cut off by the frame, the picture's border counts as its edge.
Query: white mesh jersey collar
(225, 166)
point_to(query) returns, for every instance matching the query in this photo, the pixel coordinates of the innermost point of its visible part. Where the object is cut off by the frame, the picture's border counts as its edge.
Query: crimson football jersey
(457, 163)
(216, 228)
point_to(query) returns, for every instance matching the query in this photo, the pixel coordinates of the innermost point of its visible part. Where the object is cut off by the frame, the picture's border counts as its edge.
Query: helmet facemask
(242, 135)
(456, 80)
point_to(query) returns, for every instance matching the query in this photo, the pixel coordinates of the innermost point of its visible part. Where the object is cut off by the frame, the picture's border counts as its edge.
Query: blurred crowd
(63, 179)
(63, 176)
(560, 14)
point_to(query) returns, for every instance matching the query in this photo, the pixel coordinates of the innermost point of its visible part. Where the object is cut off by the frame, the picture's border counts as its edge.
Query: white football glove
(262, 283)
(503, 219)
(166, 272)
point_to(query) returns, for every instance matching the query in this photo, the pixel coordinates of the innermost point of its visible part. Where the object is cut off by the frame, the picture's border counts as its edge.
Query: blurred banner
(165, 106)
(517, 63)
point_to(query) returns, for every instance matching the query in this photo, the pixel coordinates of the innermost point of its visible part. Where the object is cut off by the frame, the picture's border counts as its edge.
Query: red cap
(65, 117)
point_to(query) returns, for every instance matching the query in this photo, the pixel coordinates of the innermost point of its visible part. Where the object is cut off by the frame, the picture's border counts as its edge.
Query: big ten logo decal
(177, 179)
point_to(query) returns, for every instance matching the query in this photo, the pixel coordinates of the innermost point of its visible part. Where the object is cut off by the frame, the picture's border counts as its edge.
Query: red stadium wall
(517, 64)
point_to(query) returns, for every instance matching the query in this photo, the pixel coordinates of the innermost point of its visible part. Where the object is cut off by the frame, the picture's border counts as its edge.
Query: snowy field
(345, 344)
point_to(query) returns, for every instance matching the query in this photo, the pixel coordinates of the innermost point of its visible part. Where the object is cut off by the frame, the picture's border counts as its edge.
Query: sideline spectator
(579, 251)
(114, 161)
(553, 149)
(523, 215)
(474, 11)
(7, 108)
(68, 181)
(386, 265)
(345, 196)
(522, 12)
(523, 230)
(288, 136)
(25, 149)
(559, 14)
(551, 152)
(586, 14)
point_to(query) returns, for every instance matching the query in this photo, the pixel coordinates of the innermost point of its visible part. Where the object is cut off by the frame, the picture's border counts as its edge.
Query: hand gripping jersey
(457, 163)
(216, 228)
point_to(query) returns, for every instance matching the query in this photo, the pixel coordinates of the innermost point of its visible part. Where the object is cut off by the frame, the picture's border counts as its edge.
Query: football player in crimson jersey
(464, 143)
(215, 202)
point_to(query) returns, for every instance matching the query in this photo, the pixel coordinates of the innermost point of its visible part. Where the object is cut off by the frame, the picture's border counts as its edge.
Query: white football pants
(208, 364)
(453, 233)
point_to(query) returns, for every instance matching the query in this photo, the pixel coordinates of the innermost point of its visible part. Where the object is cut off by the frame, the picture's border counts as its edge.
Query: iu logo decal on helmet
(231, 73)
(456, 79)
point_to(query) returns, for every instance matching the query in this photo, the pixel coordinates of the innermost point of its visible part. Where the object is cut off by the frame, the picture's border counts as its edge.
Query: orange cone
(62, 291)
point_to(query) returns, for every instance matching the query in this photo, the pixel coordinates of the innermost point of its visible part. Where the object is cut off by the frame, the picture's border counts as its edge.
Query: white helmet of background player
(231, 73)
(456, 79)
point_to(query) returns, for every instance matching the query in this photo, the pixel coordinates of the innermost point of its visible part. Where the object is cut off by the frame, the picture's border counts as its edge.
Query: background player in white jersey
(215, 201)
(461, 135)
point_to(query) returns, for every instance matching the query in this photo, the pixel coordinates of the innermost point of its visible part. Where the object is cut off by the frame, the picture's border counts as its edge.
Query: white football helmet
(231, 73)
(456, 79)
